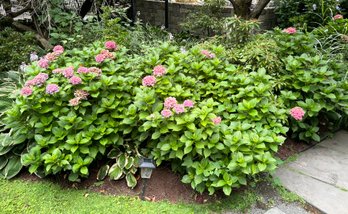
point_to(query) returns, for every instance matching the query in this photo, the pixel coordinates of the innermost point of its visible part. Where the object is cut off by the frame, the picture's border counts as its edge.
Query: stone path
(320, 175)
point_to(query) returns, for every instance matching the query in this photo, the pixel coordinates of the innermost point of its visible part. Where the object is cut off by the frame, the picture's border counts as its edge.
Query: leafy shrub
(15, 48)
(212, 155)
(224, 132)
(305, 13)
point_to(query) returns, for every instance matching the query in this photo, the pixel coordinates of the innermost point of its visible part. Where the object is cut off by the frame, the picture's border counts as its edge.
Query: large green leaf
(13, 167)
(103, 172)
(115, 172)
(131, 180)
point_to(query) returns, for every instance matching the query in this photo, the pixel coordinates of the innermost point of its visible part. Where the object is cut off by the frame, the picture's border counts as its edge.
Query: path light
(146, 168)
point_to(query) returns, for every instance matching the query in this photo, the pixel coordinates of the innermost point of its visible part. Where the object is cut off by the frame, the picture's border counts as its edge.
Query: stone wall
(152, 12)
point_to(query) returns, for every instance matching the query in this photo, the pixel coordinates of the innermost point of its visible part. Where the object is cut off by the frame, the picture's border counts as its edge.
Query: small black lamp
(146, 167)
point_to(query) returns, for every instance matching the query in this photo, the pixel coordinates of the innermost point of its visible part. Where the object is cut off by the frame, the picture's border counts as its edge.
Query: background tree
(243, 9)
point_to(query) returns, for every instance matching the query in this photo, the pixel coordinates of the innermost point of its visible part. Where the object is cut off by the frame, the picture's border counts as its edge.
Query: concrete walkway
(320, 175)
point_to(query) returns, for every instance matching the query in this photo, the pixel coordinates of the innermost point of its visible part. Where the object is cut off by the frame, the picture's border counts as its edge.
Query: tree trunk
(242, 8)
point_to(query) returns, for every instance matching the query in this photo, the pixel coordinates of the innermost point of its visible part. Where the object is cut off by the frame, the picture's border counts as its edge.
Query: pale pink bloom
(216, 120)
(338, 16)
(81, 94)
(107, 54)
(58, 71)
(52, 88)
(297, 113)
(100, 58)
(188, 103)
(95, 70)
(170, 102)
(75, 80)
(43, 63)
(159, 70)
(26, 91)
(290, 30)
(149, 81)
(50, 57)
(82, 70)
(75, 101)
(166, 113)
(40, 79)
(111, 45)
(58, 49)
(179, 108)
(208, 54)
(30, 83)
(68, 72)
(34, 57)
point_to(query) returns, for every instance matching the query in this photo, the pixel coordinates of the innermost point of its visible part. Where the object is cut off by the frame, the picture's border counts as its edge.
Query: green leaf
(103, 172)
(227, 190)
(84, 170)
(165, 147)
(131, 180)
(13, 167)
(115, 172)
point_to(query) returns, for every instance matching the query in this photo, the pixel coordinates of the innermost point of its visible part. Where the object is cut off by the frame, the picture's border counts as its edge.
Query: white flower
(34, 57)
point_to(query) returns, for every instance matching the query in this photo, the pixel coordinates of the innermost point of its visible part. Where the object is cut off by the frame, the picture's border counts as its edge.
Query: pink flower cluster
(216, 120)
(38, 80)
(104, 54)
(84, 70)
(68, 72)
(79, 95)
(26, 91)
(208, 54)
(58, 49)
(297, 113)
(170, 103)
(159, 70)
(290, 30)
(111, 45)
(52, 88)
(149, 81)
(44, 62)
(75, 80)
(338, 16)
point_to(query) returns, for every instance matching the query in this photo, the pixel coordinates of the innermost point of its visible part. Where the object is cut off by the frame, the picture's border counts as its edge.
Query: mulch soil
(163, 185)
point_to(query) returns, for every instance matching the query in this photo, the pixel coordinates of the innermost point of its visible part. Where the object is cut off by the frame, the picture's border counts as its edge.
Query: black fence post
(166, 25)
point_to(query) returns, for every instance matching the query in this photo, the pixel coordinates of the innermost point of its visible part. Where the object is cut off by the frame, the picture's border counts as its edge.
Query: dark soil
(163, 185)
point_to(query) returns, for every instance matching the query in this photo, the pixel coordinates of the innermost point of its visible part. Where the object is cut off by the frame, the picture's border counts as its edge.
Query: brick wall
(152, 12)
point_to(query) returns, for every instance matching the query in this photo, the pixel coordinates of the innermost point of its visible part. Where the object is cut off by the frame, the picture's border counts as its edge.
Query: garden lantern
(146, 167)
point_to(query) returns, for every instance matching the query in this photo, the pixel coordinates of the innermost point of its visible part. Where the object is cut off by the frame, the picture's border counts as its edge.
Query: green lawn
(17, 196)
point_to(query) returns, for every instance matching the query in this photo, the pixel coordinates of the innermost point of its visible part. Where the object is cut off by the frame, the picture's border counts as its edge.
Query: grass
(18, 196)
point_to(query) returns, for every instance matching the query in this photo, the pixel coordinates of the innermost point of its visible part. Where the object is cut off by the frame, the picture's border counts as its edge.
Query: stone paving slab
(274, 210)
(320, 175)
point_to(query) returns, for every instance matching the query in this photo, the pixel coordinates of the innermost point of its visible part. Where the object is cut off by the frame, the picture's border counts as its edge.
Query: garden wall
(152, 12)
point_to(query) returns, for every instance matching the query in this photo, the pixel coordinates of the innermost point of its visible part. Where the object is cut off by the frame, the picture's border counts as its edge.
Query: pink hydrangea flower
(43, 63)
(50, 57)
(81, 94)
(111, 45)
(188, 103)
(149, 81)
(216, 120)
(297, 113)
(30, 83)
(159, 70)
(166, 113)
(107, 54)
(170, 102)
(58, 49)
(100, 58)
(95, 70)
(52, 88)
(75, 80)
(82, 70)
(68, 72)
(338, 16)
(39, 79)
(179, 108)
(26, 91)
(290, 30)
(58, 71)
(75, 101)
(208, 54)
